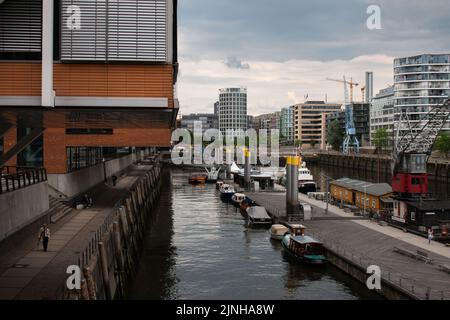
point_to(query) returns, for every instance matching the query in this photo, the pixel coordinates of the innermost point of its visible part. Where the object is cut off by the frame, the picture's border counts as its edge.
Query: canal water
(198, 247)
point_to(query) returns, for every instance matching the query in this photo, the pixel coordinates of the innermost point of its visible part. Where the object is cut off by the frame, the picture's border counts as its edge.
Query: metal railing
(15, 178)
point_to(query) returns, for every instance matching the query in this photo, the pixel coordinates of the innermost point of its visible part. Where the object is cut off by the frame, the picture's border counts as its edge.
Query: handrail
(15, 178)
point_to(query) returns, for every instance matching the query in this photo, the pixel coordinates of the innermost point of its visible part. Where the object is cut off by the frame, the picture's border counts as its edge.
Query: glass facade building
(287, 124)
(233, 109)
(382, 113)
(420, 82)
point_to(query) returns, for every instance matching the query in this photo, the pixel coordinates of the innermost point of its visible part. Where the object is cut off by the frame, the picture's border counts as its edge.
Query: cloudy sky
(284, 49)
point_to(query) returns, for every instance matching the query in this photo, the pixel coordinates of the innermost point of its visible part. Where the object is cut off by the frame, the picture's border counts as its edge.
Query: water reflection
(198, 247)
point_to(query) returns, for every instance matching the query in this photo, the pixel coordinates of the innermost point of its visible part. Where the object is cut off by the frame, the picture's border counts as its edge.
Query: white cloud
(273, 85)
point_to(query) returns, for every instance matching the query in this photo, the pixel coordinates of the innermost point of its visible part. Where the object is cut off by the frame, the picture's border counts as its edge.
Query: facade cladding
(233, 109)
(111, 83)
(382, 113)
(421, 82)
(287, 124)
(310, 122)
(207, 120)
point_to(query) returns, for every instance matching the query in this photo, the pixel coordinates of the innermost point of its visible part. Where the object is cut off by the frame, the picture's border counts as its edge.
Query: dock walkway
(35, 274)
(365, 243)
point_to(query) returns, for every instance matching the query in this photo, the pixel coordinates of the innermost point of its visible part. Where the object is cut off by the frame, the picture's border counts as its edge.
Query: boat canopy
(258, 213)
(305, 240)
(235, 168)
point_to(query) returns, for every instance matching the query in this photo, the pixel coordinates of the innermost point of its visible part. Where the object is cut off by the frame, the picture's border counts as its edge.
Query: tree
(298, 143)
(335, 135)
(442, 143)
(313, 143)
(381, 139)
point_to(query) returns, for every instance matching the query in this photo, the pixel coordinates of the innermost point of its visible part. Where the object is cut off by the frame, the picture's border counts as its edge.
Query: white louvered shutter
(20, 26)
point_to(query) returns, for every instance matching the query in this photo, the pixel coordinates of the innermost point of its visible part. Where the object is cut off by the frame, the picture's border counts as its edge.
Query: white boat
(226, 192)
(278, 231)
(237, 198)
(306, 181)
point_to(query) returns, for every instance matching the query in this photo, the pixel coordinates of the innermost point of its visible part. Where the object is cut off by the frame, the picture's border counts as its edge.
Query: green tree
(335, 135)
(381, 139)
(442, 143)
(313, 143)
(298, 143)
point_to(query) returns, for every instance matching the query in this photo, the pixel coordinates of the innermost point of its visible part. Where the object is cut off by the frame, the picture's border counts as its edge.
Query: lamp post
(365, 199)
(328, 180)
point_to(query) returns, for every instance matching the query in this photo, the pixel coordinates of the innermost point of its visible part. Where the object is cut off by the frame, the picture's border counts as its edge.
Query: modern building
(369, 87)
(287, 125)
(216, 108)
(382, 114)
(310, 122)
(420, 82)
(269, 121)
(232, 109)
(207, 121)
(75, 91)
(361, 118)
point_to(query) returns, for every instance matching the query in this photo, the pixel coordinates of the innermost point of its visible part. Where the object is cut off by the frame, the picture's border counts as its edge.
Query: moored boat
(278, 231)
(226, 192)
(303, 248)
(247, 203)
(306, 181)
(219, 184)
(197, 179)
(258, 217)
(237, 199)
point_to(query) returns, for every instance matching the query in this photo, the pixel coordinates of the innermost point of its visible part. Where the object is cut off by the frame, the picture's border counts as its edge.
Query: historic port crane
(413, 145)
(350, 140)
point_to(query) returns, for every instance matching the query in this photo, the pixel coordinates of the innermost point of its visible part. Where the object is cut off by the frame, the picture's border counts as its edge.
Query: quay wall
(438, 170)
(109, 258)
(71, 185)
(22, 207)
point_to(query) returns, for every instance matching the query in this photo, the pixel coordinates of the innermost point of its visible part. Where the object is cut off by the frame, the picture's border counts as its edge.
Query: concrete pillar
(292, 167)
(47, 93)
(104, 270)
(248, 169)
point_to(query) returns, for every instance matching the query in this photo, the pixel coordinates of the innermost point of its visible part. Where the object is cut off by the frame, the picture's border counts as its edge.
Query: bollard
(247, 170)
(104, 269)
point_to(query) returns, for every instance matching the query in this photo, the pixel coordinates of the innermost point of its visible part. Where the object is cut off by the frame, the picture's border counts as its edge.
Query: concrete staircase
(58, 209)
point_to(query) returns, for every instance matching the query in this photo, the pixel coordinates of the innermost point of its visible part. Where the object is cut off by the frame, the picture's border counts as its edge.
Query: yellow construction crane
(350, 83)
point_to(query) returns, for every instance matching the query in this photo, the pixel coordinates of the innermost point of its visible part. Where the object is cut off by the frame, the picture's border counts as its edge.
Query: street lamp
(328, 180)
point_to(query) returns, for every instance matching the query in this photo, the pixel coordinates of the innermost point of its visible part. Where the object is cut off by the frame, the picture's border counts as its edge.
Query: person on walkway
(430, 235)
(44, 235)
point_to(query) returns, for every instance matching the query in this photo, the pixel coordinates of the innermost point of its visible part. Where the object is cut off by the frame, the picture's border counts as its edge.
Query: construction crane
(350, 140)
(412, 148)
(350, 83)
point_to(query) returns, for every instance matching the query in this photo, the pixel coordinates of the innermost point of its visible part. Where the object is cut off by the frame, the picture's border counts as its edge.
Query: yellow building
(372, 197)
(310, 122)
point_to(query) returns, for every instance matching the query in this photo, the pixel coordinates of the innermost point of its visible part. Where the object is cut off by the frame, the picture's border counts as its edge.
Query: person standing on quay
(430, 235)
(44, 235)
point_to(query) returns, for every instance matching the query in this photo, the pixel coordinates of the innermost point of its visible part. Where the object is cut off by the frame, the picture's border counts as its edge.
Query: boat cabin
(305, 245)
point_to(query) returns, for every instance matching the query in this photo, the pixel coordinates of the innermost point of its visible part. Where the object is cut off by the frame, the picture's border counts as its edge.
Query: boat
(278, 231)
(258, 217)
(219, 184)
(197, 179)
(306, 181)
(237, 199)
(247, 203)
(226, 192)
(303, 248)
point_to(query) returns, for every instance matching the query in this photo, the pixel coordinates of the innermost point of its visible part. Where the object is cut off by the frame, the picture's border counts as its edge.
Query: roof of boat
(279, 227)
(305, 239)
(239, 195)
(258, 212)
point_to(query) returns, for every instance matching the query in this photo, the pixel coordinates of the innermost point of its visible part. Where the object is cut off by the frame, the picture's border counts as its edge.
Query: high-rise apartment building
(310, 122)
(233, 109)
(287, 124)
(382, 113)
(420, 82)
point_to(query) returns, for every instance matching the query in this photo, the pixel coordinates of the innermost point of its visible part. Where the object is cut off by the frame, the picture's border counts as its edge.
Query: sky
(283, 50)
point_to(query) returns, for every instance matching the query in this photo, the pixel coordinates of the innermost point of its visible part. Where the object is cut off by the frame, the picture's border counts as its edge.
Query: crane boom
(413, 147)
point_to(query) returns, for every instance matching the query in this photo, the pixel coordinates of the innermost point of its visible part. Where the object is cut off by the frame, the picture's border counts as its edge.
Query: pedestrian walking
(430, 235)
(44, 235)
